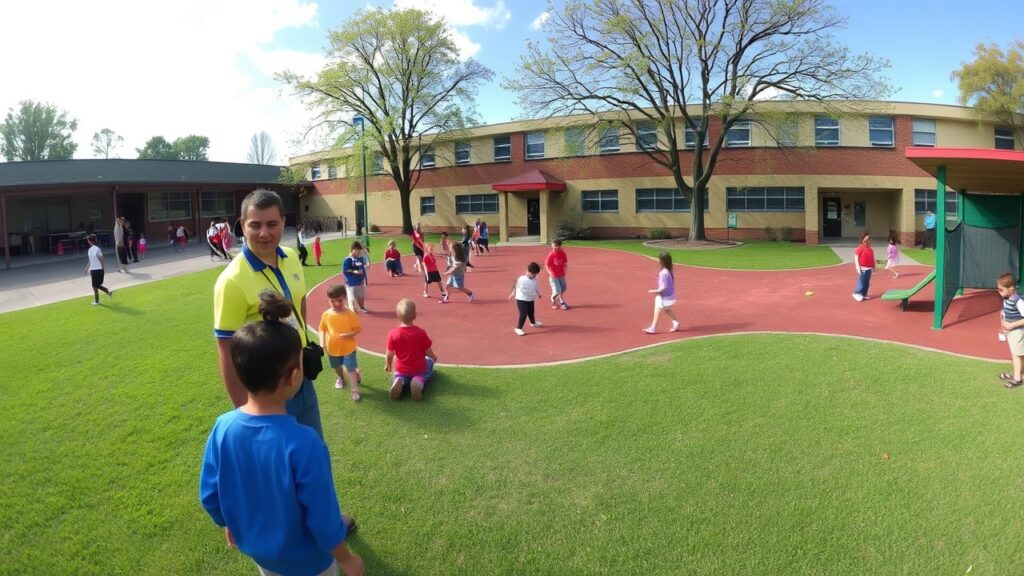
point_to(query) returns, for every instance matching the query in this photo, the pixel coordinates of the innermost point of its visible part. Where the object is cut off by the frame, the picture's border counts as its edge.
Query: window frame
(890, 130)
(535, 155)
(424, 202)
(332, 171)
(575, 141)
(646, 131)
(818, 140)
(788, 133)
(224, 199)
(426, 154)
(1006, 136)
(602, 197)
(460, 148)
(742, 125)
(477, 203)
(793, 198)
(690, 137)
(927, 199)
(677, 197)
(604, 141)
(507, 157)
(314, 172)
(166, 216)
(918, 127)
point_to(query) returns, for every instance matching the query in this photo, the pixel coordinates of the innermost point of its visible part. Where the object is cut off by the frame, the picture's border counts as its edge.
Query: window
(924, 199)
(476, 204)
(826, 132)
(427, 205)
(332, 171)
(314, 172)
(739, 134)
(378, 164)
(788, 131)
(462, 152)
(600, 200)
(575, 141)
(502, 148)
(427, 159)
(1004, 138)
(923, 132)
(534, 145)
(764, 199)
(689, 137)
(170, 205)
(647, 136)
(880, 131)
(664, 200)
(216, 204)
(609, 142)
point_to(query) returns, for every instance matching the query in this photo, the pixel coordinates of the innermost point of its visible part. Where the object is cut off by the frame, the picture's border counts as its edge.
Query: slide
(904, 295)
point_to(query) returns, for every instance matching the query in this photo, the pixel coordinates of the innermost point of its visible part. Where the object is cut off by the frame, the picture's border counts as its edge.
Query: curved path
(610, 305)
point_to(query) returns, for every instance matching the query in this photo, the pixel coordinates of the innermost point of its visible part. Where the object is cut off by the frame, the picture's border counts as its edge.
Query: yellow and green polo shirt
(236, 295)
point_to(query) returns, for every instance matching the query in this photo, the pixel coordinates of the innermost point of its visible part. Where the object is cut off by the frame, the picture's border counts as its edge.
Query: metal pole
(940, 247)
(366, 206)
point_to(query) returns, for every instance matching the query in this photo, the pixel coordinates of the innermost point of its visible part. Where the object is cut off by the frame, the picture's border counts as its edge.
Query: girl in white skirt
(665, 294)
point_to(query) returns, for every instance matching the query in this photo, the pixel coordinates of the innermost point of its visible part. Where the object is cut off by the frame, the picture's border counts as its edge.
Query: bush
(787, 233)
(571, 226)
(374, 228)
(769, 233)
(657, 234)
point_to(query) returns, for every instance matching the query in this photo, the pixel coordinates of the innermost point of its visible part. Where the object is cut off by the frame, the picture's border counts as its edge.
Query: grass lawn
(752, 255)
(731, 455)
(925, 257)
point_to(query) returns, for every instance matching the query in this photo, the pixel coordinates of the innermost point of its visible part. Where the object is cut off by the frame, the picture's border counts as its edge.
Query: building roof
(53, 173)
(530, 181)
(974, 169)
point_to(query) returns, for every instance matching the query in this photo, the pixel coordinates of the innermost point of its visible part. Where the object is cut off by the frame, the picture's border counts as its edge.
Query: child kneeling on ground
(409, 353)
(266, 478)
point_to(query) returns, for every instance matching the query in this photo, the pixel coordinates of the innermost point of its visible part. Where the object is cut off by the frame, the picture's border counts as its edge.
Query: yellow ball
(808, 293)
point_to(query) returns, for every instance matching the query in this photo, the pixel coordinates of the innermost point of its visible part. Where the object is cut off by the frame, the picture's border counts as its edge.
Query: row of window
(177, 205)
(746, 199)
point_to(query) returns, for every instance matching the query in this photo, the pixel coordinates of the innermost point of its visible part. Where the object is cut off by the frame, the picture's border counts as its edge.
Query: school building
(793, 169)
(50, 206)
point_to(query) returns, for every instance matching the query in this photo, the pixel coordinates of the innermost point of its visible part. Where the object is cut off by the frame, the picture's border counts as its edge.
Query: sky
(145, 68)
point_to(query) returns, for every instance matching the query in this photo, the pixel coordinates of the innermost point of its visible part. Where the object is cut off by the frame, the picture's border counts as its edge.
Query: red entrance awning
(529, 182)
(974, 169)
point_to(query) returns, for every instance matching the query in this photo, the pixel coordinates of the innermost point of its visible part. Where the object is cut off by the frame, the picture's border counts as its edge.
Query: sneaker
(648, 330)
(396, 388)
(95, 303)
(470, 297)
(858, 297)
(339, 384)
(445, 297)
(442, 301)
(675, 327)
(416, 389)
(519, 332)
(364, 310)
(425, 295)
(564, 306)
(110, 294)
(537, 324)
(356, 396)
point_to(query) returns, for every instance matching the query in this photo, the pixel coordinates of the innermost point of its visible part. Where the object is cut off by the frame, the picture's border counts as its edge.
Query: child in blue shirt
(354, 268)
(266, 478)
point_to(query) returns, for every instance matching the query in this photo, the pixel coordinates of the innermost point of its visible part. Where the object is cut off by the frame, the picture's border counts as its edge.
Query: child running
(393, 260)
(665, 294)
(1011, 326)
(409, 353)
(339, 326)
(96, 270)
(417, 248)
(526, 291)
(431, 274)
(556, 264)
(354, 269)
(892, 257)
(456, 272)
(266, 478)
(318, 250)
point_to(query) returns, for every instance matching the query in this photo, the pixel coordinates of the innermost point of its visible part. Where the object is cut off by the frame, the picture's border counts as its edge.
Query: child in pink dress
(141, 246)
(892, 257)
(317, 250)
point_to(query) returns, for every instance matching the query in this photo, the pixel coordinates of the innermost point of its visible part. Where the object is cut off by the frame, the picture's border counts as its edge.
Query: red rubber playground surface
(607, 292)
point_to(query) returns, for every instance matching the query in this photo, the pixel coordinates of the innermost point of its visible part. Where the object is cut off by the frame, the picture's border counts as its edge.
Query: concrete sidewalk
(44, 280)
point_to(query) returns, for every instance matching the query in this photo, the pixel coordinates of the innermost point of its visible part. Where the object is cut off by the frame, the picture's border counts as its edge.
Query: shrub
(374, 228)
(787, 233)
(571, 226)
(769, 233)
(657, 234)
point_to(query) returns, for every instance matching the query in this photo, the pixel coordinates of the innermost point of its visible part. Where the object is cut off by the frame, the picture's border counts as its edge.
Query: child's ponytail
(263, 352)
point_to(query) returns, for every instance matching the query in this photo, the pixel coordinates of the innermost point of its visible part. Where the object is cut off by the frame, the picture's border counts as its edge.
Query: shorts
(662, 302)
(97, 278)
(457, 282)
(482, 242)
(557, 285)
(433, 276)
(1015, 338)
(417, 251)
(356, 291)
(348, 361)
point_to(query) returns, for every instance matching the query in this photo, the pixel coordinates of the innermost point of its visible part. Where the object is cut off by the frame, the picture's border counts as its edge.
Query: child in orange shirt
(338, 329)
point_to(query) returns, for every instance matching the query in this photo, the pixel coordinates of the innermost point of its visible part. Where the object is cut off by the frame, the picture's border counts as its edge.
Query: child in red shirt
(431, 274)
(318, 251)
(409, 353)
(393, 260)
(864, 263)
(555, 264)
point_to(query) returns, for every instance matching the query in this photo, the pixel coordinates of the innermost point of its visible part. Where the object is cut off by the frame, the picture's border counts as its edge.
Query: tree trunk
(697, 213)
(406, 194)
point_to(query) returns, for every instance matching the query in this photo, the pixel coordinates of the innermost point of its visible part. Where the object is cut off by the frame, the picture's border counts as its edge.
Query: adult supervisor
(929, 230)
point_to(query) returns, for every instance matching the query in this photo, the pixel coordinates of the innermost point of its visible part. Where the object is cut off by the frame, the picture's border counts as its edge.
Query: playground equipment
(904, 295)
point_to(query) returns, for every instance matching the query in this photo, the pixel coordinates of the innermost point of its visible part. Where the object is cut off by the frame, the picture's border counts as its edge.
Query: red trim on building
(974, 169)
(530, 181)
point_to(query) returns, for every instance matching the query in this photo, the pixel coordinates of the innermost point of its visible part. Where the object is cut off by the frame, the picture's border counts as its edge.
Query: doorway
(831, 218)
(360, 217)
(533, 216)
(133, 208)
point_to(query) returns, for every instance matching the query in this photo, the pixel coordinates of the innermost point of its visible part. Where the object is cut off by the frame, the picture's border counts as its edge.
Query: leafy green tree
(37, 132)
(192, 147)
(261, 149)
(105, 142)
(993, 85)
(400, 70)
(642, 63)
(157, 148)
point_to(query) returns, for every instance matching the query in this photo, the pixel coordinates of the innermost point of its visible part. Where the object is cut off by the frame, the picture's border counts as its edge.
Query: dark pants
(525, 311)
(122, 254)
(305, 407)
(929, 238)
(303, 254)
(863, 282)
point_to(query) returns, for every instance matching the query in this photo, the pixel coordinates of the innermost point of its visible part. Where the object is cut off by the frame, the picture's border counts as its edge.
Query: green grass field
(729, 455)
(925, 257)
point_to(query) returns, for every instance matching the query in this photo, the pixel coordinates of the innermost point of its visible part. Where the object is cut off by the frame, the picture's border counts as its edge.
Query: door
(533, 216)
(360, 217)
(831, 222)
(133, 208)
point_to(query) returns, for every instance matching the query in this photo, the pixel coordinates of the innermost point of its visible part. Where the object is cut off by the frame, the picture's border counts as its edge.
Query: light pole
(361, 121)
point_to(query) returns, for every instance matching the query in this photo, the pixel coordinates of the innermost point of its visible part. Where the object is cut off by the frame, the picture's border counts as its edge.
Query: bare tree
(400, 70)
(105, 143)
(261, 149)
(657, 62)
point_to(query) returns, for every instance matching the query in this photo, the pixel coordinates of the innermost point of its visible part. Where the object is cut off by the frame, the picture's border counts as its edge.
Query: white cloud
(938, 93)
(539, 21)
(460, 13)
(144, 69)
